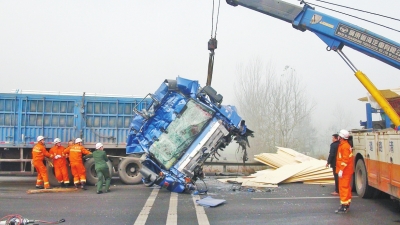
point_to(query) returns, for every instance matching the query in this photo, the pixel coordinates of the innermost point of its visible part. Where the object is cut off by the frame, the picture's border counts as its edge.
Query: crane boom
(336, 34)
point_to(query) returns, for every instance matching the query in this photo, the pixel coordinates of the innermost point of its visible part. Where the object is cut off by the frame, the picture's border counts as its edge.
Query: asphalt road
(133, 205)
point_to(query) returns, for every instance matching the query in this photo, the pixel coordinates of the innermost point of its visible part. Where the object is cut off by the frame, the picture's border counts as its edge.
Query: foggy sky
(130, 47)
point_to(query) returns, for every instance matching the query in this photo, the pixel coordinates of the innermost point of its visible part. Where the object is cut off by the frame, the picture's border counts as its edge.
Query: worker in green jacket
(101, 167)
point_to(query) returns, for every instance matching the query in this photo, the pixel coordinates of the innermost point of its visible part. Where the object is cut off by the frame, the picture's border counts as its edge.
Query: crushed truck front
(183, 126)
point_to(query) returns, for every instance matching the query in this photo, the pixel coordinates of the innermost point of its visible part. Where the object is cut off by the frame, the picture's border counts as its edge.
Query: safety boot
(39, 187)
(83, 185)
(62, 185)
(343, 209)
(76, 185)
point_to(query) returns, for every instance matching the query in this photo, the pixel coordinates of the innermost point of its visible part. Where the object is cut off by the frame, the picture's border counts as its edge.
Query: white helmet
(78, 140)
(39, 138)
(57, 140)
(99, 145)
(344, 134)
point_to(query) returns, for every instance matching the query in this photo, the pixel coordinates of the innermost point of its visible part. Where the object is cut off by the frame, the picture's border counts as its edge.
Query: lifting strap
(212, 45)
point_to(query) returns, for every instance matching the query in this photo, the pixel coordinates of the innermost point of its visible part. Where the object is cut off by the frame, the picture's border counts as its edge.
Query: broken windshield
(181, 133)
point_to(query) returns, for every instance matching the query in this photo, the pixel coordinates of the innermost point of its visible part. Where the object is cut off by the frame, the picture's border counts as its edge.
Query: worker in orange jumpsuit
(345, 170)
(75, 158)
(60, 163)
(70, 144)
(38, 153)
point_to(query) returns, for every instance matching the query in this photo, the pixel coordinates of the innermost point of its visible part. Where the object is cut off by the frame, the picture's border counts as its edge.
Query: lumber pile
(288, 166)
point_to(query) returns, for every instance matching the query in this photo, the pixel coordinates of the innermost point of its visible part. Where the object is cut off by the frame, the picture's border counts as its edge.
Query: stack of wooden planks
(288, 166)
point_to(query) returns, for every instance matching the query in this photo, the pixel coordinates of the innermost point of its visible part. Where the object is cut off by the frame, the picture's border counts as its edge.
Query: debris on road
(288, 166)
(210, 202)
(53, 190)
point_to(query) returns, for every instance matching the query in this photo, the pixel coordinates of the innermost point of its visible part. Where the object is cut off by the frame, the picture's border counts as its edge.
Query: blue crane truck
(183, 126)
(106, 119)
(376, 151)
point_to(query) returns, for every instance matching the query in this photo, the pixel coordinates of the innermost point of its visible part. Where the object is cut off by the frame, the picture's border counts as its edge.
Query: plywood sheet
(281, 173)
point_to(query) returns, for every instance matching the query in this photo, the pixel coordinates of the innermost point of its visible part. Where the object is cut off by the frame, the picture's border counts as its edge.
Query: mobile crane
(377, 153)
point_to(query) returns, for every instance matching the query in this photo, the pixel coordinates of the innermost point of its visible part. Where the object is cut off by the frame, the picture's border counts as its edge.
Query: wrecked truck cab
(181, 128)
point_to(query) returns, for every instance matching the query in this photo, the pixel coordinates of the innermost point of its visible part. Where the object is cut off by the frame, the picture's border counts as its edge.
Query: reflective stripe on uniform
(73, 150)
(345, 202)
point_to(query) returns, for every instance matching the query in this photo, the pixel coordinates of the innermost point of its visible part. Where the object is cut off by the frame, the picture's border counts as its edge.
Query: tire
(128, 170)
(50, 173)
(52, 176)
(91, 175)
(361, 181)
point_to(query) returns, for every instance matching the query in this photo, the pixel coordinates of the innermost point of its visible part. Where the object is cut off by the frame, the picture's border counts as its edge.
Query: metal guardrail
(220, 163)
(225, 164)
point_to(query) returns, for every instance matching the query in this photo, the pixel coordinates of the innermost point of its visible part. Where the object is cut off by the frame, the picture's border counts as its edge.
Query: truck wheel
(52, 176)
(71, 177)
(91, 175)
(128, 170)
(361, 180)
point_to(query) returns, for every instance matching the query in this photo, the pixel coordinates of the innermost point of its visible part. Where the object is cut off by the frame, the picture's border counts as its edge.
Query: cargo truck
(24, 115)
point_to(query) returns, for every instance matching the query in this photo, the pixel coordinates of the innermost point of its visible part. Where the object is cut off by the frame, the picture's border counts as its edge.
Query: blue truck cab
(182, 126)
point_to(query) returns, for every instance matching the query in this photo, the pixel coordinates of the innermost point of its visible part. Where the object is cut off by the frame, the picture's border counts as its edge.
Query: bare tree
(274, 105)
(340, 119)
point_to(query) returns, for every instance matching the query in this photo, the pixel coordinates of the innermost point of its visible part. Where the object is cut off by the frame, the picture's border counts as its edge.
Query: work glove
(340, 174)
(57, 156)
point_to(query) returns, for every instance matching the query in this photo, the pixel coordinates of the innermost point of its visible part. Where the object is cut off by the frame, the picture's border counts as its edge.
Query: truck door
(394, 163)
(383, 162)
(371, 160)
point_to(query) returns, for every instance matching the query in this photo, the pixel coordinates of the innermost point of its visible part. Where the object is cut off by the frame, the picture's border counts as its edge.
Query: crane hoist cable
(212, 43)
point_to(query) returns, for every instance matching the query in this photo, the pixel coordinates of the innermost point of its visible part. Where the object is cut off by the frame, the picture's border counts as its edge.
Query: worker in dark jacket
(332, 161)
(101, 167)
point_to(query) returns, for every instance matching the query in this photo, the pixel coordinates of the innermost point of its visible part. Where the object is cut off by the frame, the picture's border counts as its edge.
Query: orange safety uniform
(345, 163)
(60, 164)
(38, 153)
(75, 158)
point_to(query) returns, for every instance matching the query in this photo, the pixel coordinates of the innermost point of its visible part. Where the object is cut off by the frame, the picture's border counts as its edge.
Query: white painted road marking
(201, 214)
(294, 198)
(141, 219)
(172, 217)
